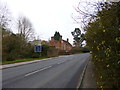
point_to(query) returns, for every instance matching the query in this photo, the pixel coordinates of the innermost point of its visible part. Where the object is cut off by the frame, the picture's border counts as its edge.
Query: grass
(21, 60)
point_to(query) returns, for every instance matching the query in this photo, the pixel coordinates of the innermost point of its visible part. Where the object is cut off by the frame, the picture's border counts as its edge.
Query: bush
(10, 58)
(75, 50)
(45, 48)
(84, 50)
(103, 39)
(35, 55)
(79, 50)
(63, 52)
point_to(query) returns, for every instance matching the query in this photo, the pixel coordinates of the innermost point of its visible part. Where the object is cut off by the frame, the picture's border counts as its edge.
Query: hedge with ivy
(103, 39)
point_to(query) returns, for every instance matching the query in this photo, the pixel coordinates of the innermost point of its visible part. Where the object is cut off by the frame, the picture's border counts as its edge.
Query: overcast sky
(47, 16)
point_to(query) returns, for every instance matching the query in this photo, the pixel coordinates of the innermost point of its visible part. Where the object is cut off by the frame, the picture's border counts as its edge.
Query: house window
(64, 46)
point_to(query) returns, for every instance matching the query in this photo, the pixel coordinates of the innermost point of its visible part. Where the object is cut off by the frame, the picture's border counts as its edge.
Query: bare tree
(5, 19)
(4, 16)
(87, 12)
(25, 28)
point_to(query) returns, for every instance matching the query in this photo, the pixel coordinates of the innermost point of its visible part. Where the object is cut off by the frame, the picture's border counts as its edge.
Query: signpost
(38, 47)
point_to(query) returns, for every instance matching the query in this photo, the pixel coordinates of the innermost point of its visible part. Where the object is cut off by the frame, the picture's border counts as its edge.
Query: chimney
(60, 38)
(67, 40)
(52, 38)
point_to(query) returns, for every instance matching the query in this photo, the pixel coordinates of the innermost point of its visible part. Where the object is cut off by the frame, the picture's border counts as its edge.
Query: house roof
(67, 42)
(62, 40)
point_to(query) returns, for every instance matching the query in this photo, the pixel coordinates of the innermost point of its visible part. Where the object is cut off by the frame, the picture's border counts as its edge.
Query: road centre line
(41, 69)
(61, 62)
(38, 70)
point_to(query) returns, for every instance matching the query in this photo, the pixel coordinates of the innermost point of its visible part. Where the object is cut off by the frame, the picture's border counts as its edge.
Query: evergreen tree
(57, 36)
(78, 37)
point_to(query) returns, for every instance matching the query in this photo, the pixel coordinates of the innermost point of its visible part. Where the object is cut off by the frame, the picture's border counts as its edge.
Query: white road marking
(38, 70)
(58, 63)
(61, 62)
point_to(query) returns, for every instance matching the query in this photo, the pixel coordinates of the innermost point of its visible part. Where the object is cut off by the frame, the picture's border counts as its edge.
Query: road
(60, 72)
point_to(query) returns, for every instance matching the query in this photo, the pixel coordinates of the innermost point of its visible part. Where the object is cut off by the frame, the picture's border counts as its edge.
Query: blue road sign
(38, 48)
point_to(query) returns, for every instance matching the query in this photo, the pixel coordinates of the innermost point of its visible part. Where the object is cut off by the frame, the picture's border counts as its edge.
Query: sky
(47, 16)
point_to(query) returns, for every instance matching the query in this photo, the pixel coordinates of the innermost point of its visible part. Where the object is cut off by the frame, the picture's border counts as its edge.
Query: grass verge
(21, 60)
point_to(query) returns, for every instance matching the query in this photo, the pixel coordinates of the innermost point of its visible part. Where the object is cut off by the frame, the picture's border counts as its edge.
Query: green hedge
(103, 39)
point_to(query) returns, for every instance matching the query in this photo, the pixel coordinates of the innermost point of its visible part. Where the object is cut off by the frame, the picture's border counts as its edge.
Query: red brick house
(60, 44)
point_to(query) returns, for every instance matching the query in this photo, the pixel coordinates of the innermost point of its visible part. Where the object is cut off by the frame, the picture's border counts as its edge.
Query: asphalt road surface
(60, 72)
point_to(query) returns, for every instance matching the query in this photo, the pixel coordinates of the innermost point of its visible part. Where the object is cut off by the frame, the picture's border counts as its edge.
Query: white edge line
(38, 70)
(81, 78)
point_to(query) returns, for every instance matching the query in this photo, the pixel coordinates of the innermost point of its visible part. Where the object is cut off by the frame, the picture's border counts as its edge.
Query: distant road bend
(60, 72)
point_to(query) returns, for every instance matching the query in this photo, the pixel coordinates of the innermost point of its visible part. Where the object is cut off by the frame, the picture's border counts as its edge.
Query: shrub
(84, 50)
(45, 48)
(10, 58)
(35, 55)
(75, 50)
(103, 39)
(64, 52)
